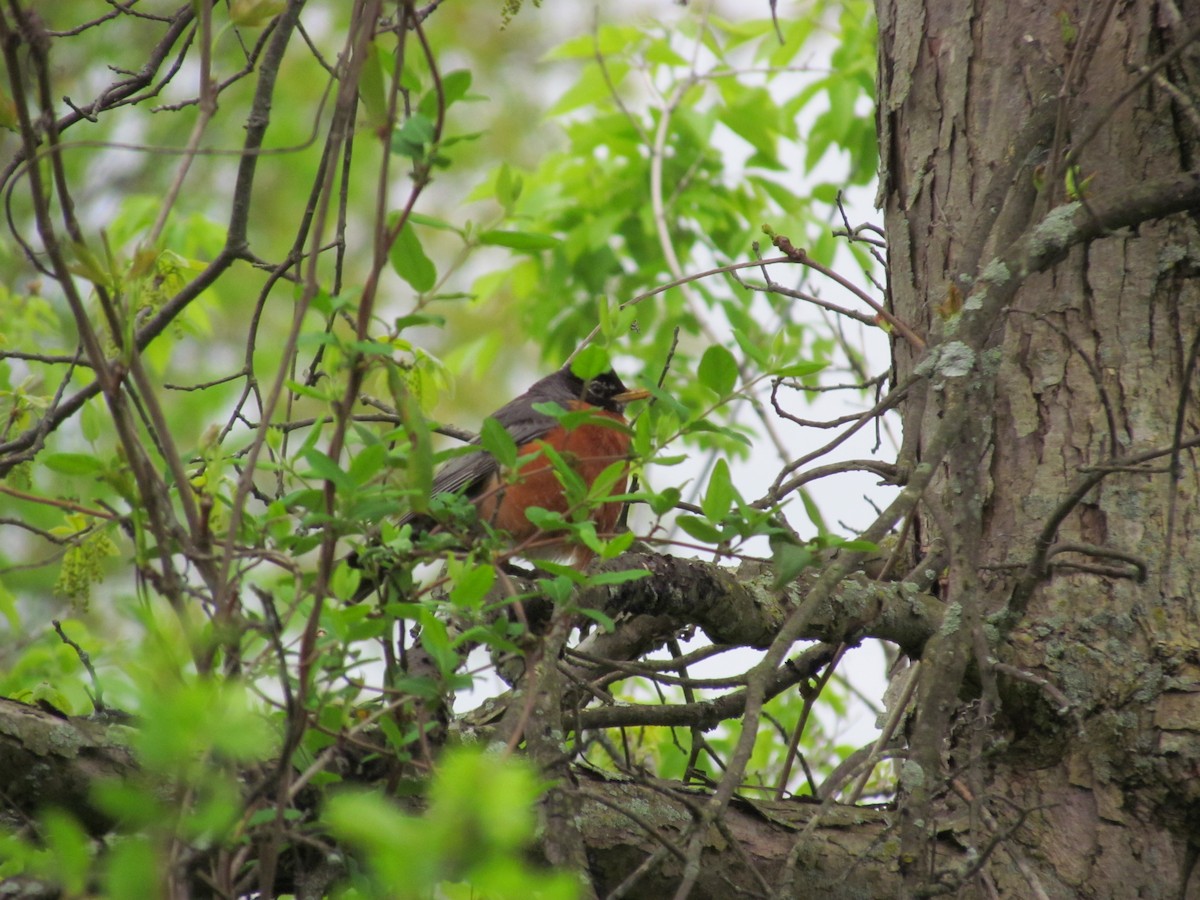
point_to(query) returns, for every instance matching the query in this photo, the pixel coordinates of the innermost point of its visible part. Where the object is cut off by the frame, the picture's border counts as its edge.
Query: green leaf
(800, 370)
(573, 484)
(814, 512)
(255, 13)
(133, 868)
(753, 117)
(545, 519)
(569, 574)
(591, 88)
(701, 426)
(324, 467)
(304, 390)
(345, 581)
(660, 53)
(72, 463)
(367, 462)
(664, 501)
(454, 87)
(93, 420)
(410, 262)
(592, 360)
(618, 545)
(518, 240)
(496, 440)
(70, 848)
(618, 577)
(600, 619)
(790, 560)
(718, 370)
(608, 41)
(371, 88)
(603, 484)
(416, 320)
(559, 589)
(471, 586)
(718, 499)
(508, 187)
(420, 448)
(700, 529)
(826, 193)
(412, 138)
(433, 222)
(752, 348)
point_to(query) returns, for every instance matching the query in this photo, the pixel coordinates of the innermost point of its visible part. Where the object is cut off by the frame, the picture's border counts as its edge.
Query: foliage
(239, 281)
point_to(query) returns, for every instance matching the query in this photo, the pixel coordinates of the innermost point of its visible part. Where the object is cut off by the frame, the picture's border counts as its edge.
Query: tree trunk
(1068, 493)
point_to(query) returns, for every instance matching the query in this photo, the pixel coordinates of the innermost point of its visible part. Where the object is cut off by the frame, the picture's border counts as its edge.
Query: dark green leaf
(600, 618)
(700, 529)
(790, 560)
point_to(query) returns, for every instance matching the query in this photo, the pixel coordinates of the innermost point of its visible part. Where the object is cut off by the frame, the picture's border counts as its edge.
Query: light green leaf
(471, 586)
(508, 187)
(591, 89)
(410, 262)
(618, 577)
(324, 467)
(497, 441)
(718, 370)
(72, 463)
(518, 240)
(592, 360)
(800, 370)
(718, 499)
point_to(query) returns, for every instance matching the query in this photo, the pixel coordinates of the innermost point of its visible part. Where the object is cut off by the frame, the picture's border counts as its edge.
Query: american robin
(589, 448)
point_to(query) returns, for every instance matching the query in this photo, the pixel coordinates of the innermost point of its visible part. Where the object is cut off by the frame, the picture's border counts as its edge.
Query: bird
(589, 447)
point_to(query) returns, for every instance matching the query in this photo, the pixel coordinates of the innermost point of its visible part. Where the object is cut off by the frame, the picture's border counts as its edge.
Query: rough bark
(1088, 363)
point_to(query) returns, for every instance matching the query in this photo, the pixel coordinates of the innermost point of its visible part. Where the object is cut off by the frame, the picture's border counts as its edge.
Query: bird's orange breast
(589, 449)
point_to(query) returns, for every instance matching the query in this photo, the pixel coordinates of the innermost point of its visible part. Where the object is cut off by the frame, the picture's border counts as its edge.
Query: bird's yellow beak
(630, 396)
